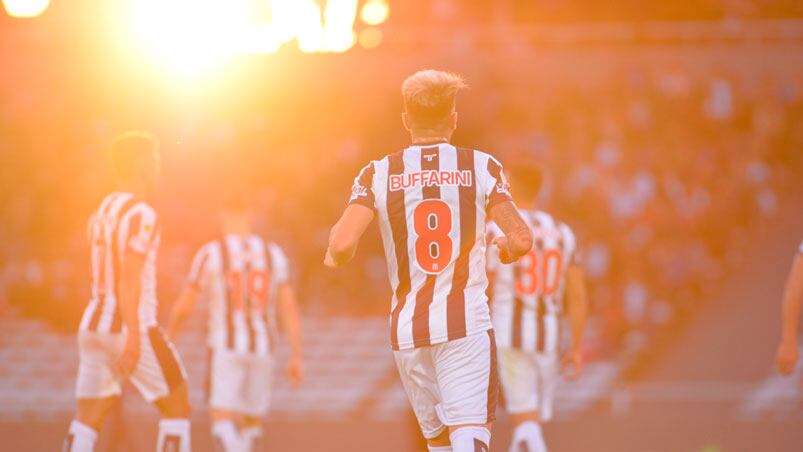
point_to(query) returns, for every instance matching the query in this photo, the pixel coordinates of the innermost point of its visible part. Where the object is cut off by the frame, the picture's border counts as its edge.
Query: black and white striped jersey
(122, 224)
(431, 203)
(527, 296)
(240, 276)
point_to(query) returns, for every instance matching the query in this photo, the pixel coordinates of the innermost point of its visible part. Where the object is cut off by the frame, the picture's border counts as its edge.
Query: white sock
(471, 439)
(174, 435)
(439, 448)
(81, 438)
(227, 436)
(252, 436)
(527, 437)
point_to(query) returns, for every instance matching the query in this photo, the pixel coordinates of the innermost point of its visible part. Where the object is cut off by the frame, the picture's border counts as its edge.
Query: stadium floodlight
(375, 12)
(25, 8)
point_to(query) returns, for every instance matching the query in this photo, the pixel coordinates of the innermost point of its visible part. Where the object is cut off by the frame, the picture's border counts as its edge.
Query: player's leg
(227, 377)
(527, 434)
(255, 400)
(89, 418)
(226, 433)
(520, 383)
(97, 389)
(418, 379)
(440, 443)
(252, 433)
(174, 422)
(162, 380)
(469, 384)
(471, 437)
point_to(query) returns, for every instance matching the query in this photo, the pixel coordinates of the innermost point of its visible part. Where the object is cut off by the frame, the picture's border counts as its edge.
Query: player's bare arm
(292, 328)
(182, 309)
(577, 310)
(345, 235)
(787, 355)
(518, 238)
(129, 295)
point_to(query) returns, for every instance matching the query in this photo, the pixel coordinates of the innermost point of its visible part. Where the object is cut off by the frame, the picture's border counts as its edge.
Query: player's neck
(241, 232)
(237, 228)
(133, 187)
(419, 137)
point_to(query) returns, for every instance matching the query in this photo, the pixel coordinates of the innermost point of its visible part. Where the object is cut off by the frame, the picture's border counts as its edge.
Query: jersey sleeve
(199, 266)
(280, 265)
(140, 229)
(571, 249)
(362, 192)
(497, 188)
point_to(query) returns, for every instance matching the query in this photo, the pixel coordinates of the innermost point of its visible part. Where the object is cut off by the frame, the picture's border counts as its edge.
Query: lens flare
(25, 8)
(375, 12)
(370, 38)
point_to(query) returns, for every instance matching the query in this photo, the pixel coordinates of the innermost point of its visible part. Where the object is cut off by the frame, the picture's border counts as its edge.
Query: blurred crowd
(530, 11)
(664, 167)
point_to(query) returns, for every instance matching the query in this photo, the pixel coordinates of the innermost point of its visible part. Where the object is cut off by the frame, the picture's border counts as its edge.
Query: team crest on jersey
(431, 178)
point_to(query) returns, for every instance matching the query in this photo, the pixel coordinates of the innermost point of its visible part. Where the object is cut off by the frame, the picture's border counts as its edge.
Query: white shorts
(159, 370)
(240, 382)
(528, 381)
(453, 383)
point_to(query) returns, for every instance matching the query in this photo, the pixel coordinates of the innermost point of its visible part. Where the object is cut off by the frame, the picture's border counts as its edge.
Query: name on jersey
(431, 178)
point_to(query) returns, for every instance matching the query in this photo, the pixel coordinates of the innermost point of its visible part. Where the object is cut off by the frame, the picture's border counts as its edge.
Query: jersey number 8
(432, 221)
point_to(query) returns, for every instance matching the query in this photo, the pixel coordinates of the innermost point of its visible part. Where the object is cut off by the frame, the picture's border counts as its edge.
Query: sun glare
(25, 8)
(194, 35)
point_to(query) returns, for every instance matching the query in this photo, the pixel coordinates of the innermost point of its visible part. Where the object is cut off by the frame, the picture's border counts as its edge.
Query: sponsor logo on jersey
(431, 178)
(358, 191)
(503, 187)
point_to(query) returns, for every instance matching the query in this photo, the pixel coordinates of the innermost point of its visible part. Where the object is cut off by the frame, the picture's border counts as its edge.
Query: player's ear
(406, 121)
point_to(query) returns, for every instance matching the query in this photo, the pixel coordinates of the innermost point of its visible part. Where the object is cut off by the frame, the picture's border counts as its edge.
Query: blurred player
(432, 200)
(119, 337)
(792, 299)
(527, 299)
(243, 277)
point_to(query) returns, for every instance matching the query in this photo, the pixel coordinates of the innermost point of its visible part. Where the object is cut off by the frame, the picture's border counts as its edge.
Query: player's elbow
(341, 249)
(521, 243)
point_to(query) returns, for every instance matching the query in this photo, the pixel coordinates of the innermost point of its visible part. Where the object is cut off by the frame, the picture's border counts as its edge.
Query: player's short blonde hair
(429, 96)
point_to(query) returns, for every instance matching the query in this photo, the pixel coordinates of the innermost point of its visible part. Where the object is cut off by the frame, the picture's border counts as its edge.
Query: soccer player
(243, 277)
(432, 200)
(119, 337)
(793, 297)
(527, 299)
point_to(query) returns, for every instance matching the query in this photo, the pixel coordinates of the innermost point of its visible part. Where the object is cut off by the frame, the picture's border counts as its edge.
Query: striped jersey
(122, 224)
(432, 203)
(241, 276)
(527, 296)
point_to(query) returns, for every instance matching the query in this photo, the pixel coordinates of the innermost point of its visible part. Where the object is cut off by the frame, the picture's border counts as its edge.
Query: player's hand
(786, 357)
(127, 362)
(328, 260)
(572, 365)
(504, 250)
(295, 371)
